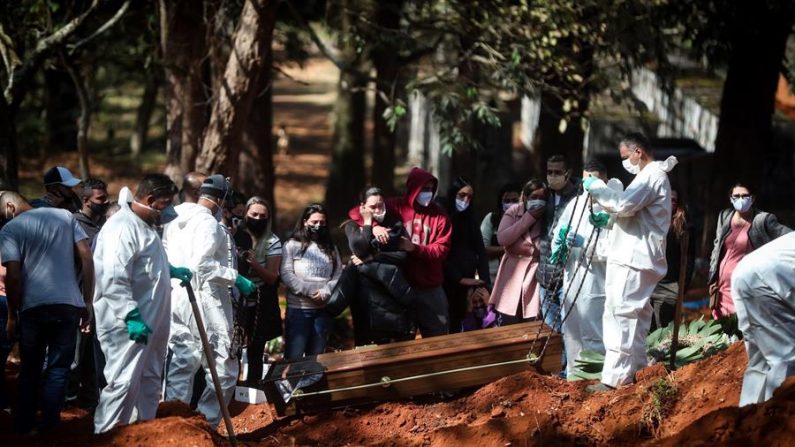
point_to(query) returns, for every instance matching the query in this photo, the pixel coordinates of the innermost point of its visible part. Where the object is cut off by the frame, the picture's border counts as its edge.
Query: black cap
(61, 175)
(215, 185)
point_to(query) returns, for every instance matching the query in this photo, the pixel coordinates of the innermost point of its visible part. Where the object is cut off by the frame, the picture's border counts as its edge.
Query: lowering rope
(557, 322)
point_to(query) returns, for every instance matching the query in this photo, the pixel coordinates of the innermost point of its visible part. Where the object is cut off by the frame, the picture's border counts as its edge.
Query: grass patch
(659, 398)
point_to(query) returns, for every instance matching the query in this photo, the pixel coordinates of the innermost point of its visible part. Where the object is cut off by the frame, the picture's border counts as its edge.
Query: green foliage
(698, 340)
(660, 397)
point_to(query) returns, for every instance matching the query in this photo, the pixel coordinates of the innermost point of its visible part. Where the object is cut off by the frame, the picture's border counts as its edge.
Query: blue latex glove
(599, 220)
(587, 182)
(138, 330)
(244, 285)
(181, 273)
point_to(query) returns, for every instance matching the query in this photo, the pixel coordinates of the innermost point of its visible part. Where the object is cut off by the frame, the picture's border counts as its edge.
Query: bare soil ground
(525, 409)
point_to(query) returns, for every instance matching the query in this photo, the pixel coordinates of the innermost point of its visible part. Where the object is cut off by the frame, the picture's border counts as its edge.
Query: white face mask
(506, 205)
(556, 182)
(534, 204)
(461, 205)
(379, 217)
(632, 169)
(424, 198)
(742, 204)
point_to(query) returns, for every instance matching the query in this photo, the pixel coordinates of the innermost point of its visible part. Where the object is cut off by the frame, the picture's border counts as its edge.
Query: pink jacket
(520, 234)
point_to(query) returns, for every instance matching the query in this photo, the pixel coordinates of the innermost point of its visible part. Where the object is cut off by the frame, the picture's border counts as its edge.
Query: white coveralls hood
(197, 241)
(131, 272)
(763, 288)
(635, 264)
(582, 321)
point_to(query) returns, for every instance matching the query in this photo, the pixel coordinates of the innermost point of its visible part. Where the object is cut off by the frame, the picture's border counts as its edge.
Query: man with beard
(58, 182)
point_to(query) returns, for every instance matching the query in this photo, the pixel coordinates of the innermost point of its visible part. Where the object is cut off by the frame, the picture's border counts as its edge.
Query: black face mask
(99, 209)
(256, 226)
(315, 231)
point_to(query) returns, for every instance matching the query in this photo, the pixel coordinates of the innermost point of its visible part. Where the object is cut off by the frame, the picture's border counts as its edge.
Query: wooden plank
(426, 365)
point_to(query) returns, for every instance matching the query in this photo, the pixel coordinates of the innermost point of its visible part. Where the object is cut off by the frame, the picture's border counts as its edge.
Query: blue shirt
(43, 241)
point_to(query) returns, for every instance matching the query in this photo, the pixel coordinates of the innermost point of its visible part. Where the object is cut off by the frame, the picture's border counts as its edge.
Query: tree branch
(15, 88)
(106, 26)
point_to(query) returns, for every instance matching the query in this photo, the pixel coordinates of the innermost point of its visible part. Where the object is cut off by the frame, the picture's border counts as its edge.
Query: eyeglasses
(556, 172)
(740, 196)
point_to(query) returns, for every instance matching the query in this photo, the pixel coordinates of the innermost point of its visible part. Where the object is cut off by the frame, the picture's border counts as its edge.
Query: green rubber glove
(244, 285)
(599, 220)
(561, 249)
(587, 182)
(181, 273)
(138, 330)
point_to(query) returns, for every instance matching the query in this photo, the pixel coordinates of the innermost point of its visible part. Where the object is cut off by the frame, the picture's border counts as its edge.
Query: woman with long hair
(741, 229)
(467, 255)
(663, 299)
(310, 269)
(508, 195)
(372, 284)
(515, 296)
(260, 253)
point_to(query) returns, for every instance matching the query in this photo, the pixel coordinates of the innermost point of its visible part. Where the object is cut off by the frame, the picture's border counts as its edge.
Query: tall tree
(184, 47)
(24, 48)
(346, 172)
(232, 104)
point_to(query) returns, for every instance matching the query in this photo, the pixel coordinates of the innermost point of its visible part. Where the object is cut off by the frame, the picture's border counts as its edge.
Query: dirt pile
(693, 406)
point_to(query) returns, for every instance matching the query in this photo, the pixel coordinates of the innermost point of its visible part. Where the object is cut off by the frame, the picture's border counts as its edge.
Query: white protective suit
(197, 241)
(635, 264)
(131, 272)
(582, 324)
(763, 289)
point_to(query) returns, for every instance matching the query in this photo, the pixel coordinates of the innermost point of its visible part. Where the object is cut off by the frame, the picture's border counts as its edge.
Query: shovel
(208, 353)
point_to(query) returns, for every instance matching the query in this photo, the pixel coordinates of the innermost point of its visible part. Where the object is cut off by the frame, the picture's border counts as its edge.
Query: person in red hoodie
(427, 245)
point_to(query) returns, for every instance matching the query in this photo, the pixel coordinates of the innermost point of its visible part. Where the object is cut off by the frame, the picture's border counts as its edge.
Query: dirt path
(305, 110)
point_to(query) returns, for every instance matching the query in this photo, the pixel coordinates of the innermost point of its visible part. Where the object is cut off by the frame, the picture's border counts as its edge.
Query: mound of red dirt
(523, 409)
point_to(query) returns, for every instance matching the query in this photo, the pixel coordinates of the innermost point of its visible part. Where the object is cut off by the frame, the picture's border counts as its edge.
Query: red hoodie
(428, 228)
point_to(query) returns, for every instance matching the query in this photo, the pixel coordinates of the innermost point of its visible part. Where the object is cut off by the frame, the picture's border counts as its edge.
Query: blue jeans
(5, 349)
(44, 330)
(550, 309)
(306, 332)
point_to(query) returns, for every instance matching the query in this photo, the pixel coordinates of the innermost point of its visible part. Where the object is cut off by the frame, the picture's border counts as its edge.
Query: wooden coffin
(411, 368)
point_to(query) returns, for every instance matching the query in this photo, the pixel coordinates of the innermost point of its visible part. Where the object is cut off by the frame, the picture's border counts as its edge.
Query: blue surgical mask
(742, 204)
(534, 204)
(461, 205)
(164, 216)
(424, 198)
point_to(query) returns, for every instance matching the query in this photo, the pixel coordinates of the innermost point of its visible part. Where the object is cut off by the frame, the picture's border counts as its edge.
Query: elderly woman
(515, 296)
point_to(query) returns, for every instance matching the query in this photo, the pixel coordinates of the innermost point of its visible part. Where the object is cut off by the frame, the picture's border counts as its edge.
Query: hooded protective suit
(582, 327)
(131, 272)
(635, 264)
(763, 288)
(197, 241)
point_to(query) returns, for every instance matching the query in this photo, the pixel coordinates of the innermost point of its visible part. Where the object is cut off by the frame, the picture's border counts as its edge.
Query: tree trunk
(144, 113)
(747, 105)
(548, 139)
(256, 170)
(84, 119)
(61, 109)
(382, 173)
(233, 102)
(8, 148)
(182, 40)
(346, 173)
